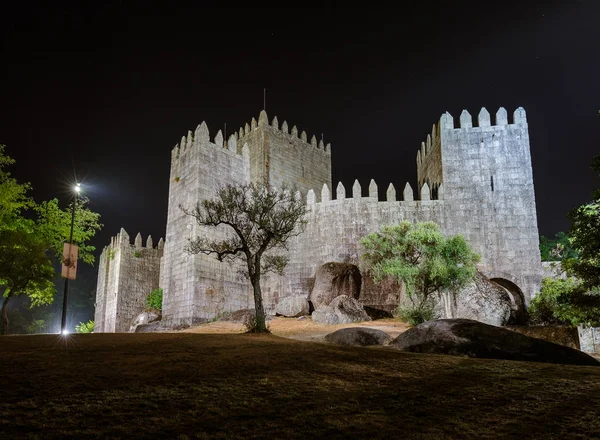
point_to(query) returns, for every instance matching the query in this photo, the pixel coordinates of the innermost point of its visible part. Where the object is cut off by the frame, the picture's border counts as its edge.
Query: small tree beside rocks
(260, 220)
(426, 262)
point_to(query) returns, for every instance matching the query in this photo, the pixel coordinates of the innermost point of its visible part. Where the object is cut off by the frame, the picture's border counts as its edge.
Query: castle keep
(473, 179)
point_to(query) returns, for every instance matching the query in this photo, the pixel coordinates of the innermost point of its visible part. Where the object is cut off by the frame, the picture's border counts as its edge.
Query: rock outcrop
(333, 280)
(342, 310)
(475, 339)
(147, 317)
(481, 300)
(358, 336)
(151, 327)
(292, 306)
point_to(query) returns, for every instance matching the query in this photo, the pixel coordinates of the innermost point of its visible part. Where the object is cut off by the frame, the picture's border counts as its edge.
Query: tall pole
(63, 323)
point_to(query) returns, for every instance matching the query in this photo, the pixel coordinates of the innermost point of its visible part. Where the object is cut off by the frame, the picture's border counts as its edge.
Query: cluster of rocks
(465, 337)
(333, 299)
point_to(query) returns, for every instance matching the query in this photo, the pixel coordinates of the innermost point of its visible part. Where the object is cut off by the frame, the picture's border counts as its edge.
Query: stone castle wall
(473, 181)
(429, 160)
(334, 229)
(128, 273)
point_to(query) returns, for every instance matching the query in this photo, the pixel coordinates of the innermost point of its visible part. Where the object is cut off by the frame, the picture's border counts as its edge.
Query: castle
(474, 180)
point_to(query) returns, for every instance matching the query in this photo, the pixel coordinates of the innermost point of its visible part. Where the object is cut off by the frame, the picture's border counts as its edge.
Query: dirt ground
(188, 385)
(301, 329)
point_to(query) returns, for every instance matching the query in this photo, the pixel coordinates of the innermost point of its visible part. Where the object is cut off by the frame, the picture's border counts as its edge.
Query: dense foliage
(154, 299)
(261, 220)
(30, 234)
(556, 249)
(566, 302)
(422, 259)
(585, 239)
(85, 327)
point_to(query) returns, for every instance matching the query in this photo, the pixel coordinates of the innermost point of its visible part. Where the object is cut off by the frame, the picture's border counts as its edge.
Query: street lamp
(63, 324)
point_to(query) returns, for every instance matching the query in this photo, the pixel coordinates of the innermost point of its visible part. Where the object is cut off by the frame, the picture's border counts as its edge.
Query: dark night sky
(104, 92)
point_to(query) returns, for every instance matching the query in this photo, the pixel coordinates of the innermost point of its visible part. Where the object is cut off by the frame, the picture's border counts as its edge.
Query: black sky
(104, 92)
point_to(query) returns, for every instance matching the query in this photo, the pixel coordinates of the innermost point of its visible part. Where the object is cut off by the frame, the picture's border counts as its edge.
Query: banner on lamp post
(69, 266)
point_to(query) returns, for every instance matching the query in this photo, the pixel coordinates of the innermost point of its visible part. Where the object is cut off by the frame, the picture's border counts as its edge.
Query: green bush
(565, 302)
(154, 299)
(85, 327)
(423, 259)
(416, 315)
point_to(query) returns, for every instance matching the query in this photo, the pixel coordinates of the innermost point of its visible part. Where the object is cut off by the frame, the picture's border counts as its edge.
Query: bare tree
(261, 221)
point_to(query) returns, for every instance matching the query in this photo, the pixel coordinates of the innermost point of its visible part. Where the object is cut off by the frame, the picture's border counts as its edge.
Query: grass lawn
(200, 386)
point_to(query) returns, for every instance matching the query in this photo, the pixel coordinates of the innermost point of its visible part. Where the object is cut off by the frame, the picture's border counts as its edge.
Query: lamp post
(63, 325)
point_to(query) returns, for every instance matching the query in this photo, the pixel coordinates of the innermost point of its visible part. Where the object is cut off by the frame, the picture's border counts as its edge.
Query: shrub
(154, 299)
(565, 302)
(85, 327)
(416, 315)
(423, 259)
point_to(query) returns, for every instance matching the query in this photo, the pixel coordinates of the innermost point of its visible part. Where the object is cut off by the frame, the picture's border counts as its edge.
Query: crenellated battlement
(201, 138)
(484, 122)
(263, 122)
(408, 195)
(123, 241)
(484, 119)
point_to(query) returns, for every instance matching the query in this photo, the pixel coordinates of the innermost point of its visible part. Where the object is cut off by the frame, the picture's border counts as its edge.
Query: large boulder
(145, 317)
(333, 280)
(481, 300)
(358, 336)
(292, 306)
(151, 327)
(342, 310)
(476, 339)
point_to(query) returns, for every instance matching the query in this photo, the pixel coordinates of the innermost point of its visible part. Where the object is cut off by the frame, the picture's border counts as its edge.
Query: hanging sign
(69, 267)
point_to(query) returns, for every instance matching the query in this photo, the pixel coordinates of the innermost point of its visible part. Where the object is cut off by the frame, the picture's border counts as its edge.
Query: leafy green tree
(14, 197)
(585, 239)
(566, 302)
(54, 224)
(556, 249)
(24, 269)
(422, 259)
(260, 220)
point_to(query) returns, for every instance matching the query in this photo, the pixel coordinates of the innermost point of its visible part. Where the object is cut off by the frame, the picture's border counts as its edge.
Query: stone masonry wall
(489, 196)
(100, 302)
(130, 273)
(429, 160)
(335, 227)
(198, 287)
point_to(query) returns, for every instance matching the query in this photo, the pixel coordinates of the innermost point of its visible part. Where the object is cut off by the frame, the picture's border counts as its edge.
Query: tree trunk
(261, 326)
(4, 314)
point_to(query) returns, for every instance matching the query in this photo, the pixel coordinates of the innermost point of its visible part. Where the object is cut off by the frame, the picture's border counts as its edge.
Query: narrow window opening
(492, 182)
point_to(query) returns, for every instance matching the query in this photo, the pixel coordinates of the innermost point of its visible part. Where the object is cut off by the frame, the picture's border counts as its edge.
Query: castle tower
(279, 157)
(127, 273)
(484, 171)
(198, 287)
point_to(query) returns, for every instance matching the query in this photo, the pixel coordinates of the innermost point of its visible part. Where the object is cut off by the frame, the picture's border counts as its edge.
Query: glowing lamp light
(77, 188)
(65, 332)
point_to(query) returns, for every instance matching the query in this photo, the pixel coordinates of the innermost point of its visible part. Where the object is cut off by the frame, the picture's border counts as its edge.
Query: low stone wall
(553, 333)
(589, 339)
